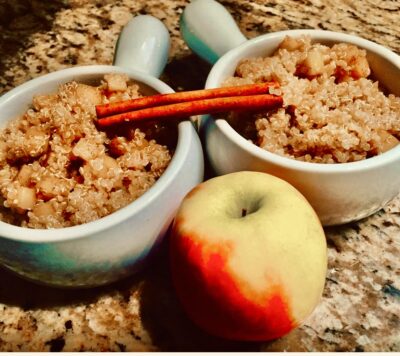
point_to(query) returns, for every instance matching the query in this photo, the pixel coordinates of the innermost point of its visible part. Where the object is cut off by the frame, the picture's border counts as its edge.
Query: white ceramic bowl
(339, 193)
(102, 251)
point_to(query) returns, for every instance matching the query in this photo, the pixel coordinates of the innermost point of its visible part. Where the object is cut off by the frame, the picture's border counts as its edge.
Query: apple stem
(244, 212)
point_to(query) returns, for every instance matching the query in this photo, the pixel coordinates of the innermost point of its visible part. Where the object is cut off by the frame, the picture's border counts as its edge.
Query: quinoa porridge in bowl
(333, 111)
(59, 170)
(81, 205)
(344, 179)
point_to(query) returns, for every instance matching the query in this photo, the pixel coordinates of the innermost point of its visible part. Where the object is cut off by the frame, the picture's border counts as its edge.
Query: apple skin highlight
(240, 279)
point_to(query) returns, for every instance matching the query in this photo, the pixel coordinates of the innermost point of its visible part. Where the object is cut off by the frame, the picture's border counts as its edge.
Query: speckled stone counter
(360, 309)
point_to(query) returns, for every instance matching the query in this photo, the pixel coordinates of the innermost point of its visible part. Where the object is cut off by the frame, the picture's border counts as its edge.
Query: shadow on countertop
(28, 295)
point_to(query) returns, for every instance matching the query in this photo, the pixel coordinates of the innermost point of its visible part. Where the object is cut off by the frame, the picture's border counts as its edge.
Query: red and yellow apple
(248, 256)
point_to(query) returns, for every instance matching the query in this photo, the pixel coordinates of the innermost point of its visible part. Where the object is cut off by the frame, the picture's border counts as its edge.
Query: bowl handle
(143, 45)
(209, 30)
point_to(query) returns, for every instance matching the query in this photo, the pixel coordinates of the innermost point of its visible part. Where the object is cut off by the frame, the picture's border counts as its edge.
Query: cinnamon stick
(163, 99)
(197, 107)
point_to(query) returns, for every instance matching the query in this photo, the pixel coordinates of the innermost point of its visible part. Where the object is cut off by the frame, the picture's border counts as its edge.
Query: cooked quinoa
(334, 112)
(57, 169)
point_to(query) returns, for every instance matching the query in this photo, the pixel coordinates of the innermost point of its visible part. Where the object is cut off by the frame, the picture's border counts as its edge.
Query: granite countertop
(360, 309)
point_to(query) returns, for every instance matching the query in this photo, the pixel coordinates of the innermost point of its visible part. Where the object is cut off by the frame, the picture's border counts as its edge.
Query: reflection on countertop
(360, 310)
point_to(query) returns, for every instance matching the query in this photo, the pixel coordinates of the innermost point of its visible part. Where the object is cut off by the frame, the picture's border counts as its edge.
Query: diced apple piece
(101, 166)
(43, 101)
(25, 174)
(116, 82)
(26, 198)
(388, 141)
(34, 131)
(37, 141)
(48, 186)
(314, 63)
(291, 44)
(88, 94)
(43, 209)
(110, 163)
(84, 149)
(361, 68)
